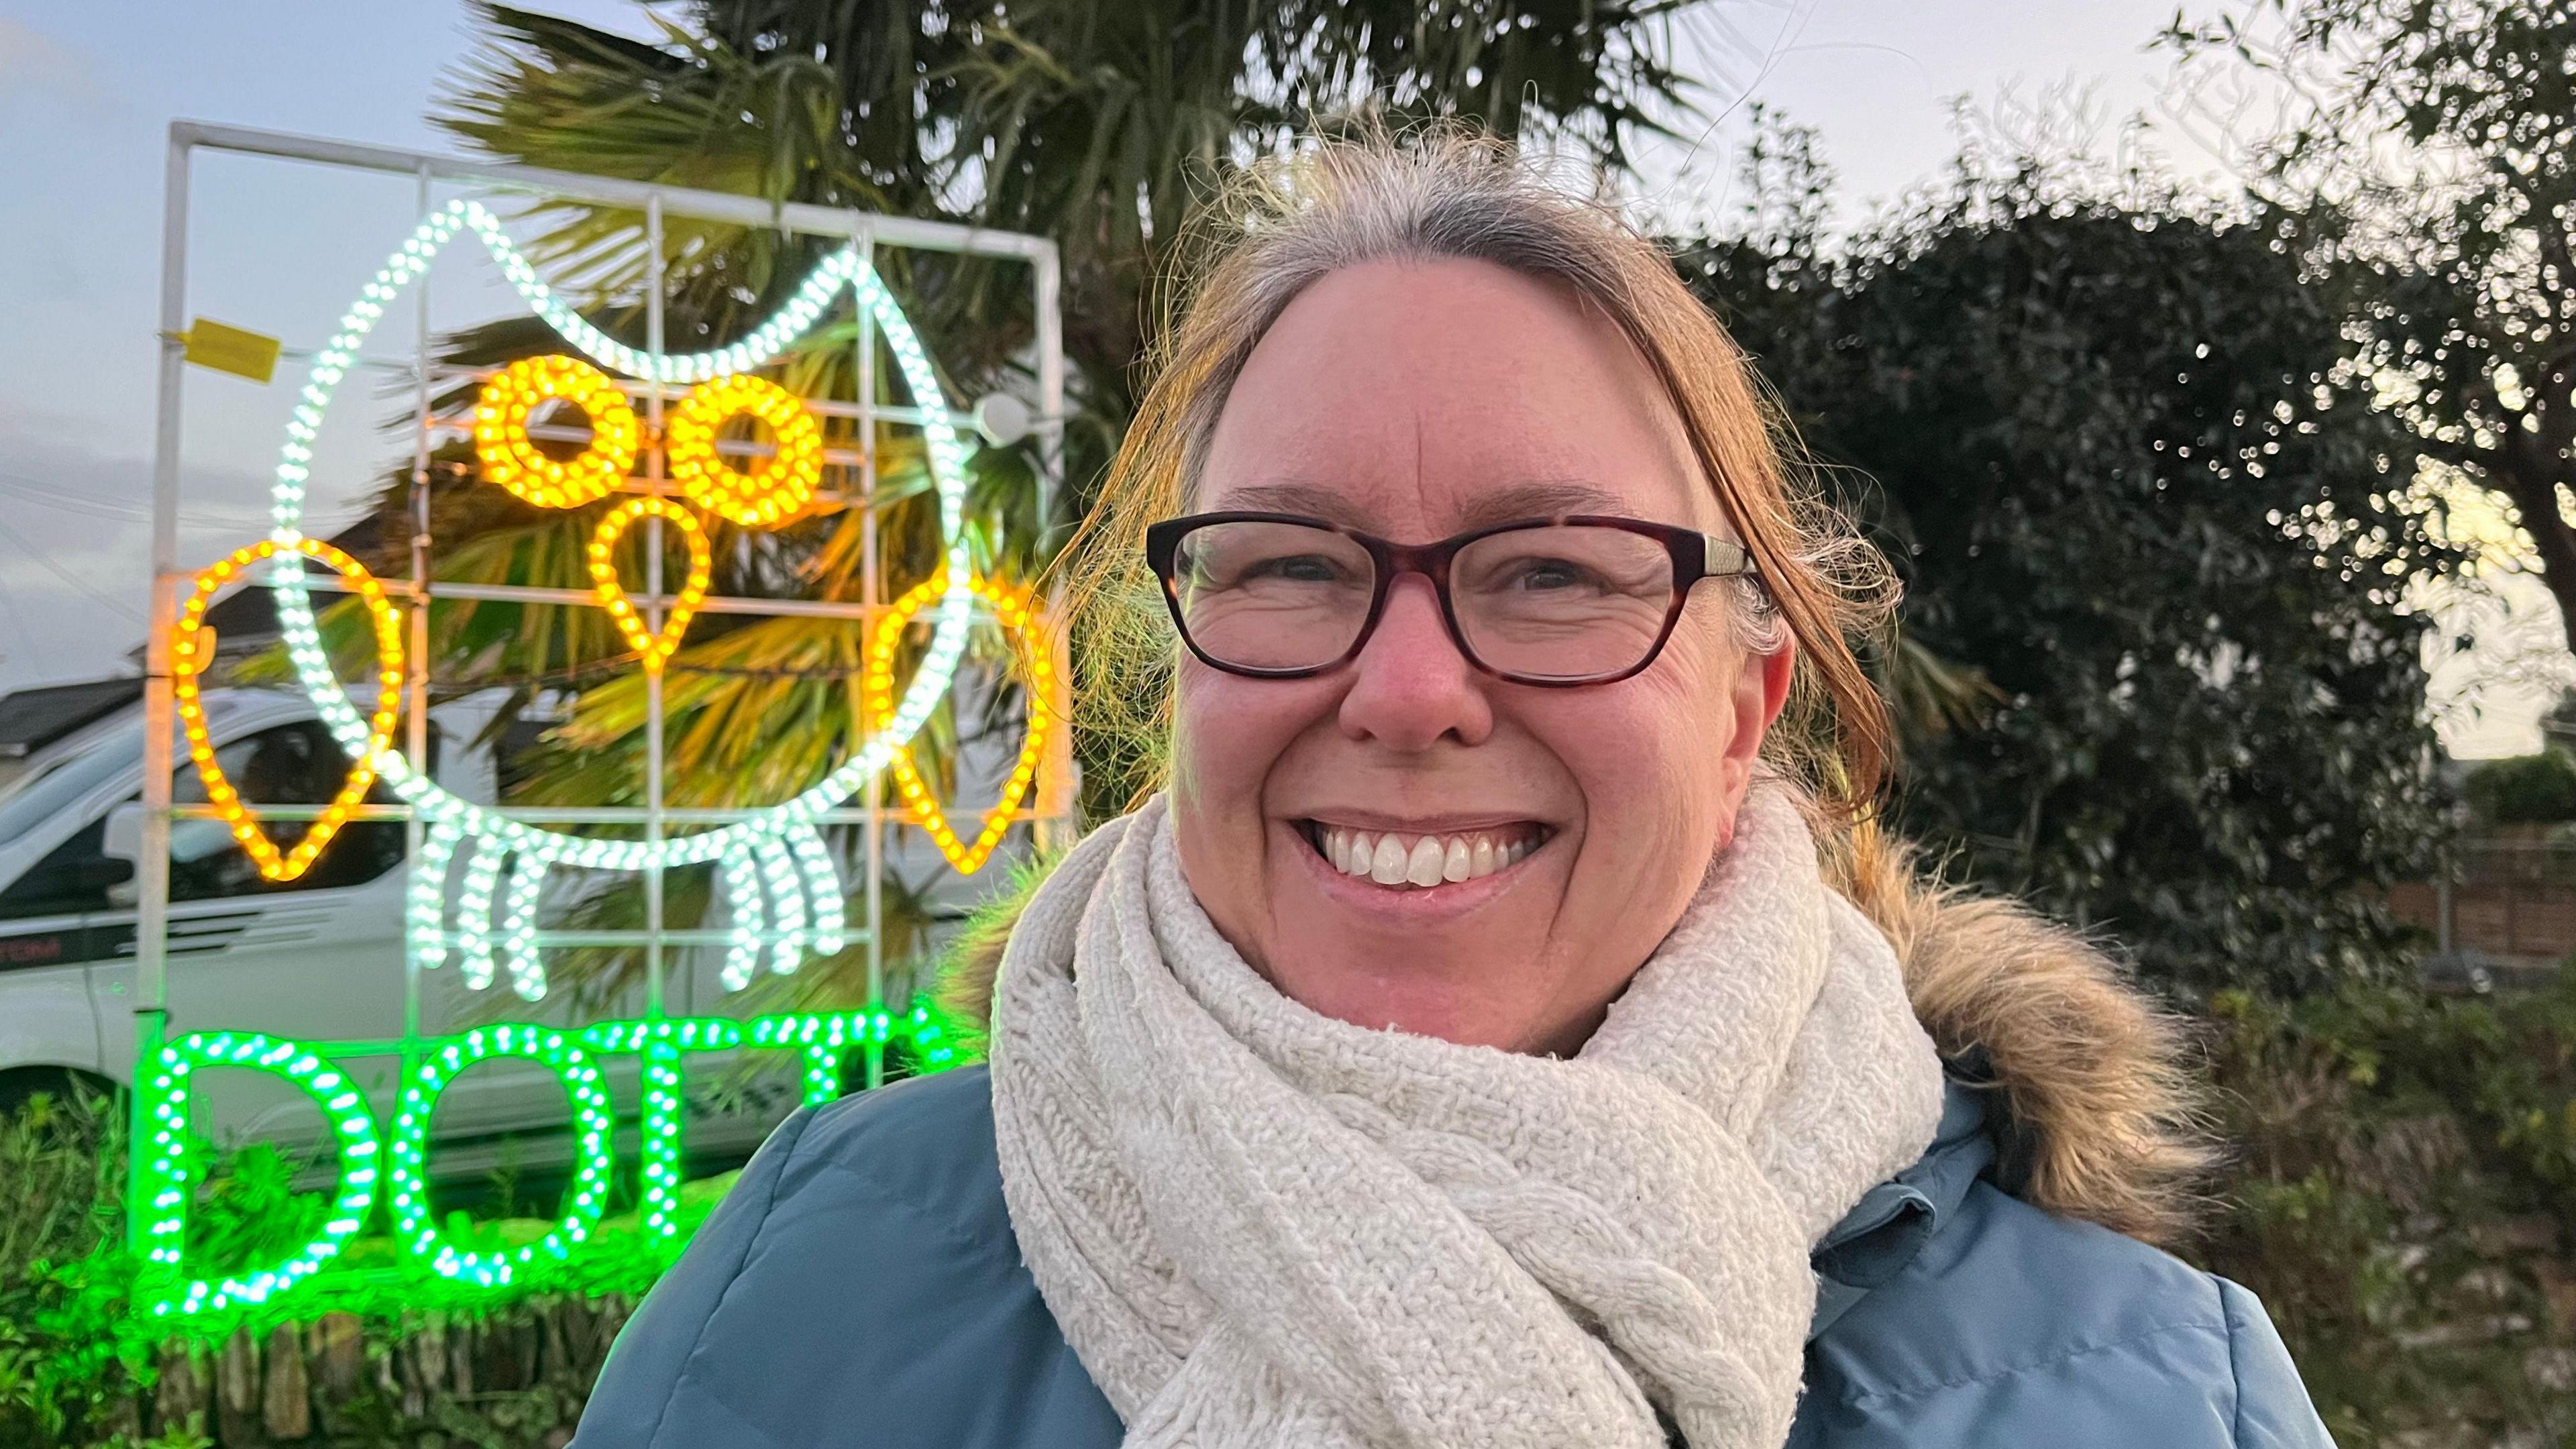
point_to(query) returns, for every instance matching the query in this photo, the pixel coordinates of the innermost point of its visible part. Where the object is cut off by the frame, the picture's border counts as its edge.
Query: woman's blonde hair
(1448, 190)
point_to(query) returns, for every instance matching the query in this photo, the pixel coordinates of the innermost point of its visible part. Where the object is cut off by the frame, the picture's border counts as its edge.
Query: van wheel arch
(19, 1084)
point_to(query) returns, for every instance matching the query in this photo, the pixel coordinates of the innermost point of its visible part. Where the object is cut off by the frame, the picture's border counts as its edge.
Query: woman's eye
(1296, 569)
(1538, 574)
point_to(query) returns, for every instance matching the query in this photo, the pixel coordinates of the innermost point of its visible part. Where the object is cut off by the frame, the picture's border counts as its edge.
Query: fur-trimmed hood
(2100, 1115)
(2094, 1108)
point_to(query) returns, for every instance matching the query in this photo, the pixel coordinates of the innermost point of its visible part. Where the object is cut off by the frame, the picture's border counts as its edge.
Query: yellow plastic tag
(230, 349)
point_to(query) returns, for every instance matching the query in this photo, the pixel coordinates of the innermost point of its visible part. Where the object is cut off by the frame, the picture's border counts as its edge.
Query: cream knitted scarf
(1257, 1225)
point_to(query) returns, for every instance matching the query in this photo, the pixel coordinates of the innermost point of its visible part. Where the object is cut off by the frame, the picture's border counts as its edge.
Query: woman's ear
(1760, 692)
(1776, 668)
(1753, 704)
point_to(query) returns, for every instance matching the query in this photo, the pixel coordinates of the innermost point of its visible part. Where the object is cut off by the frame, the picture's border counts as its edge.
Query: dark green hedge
(2527, 790)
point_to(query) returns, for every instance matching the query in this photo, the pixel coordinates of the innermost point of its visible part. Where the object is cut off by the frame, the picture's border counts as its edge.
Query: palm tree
(1094, 122)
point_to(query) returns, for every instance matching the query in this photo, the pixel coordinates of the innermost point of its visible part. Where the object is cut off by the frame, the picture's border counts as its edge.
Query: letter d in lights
(172, 1093)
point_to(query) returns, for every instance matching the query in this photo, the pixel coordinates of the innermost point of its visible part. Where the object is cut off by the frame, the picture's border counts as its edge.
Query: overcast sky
(87, 91)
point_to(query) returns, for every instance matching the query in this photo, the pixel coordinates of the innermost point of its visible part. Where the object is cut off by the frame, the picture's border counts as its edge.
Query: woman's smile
(1425, 858)
(1415, 889)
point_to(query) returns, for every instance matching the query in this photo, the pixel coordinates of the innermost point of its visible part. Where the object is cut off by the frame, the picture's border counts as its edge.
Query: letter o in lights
(594, 1153)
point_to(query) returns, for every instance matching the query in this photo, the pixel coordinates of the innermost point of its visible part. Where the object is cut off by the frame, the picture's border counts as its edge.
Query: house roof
(243, 619)
(247, 616)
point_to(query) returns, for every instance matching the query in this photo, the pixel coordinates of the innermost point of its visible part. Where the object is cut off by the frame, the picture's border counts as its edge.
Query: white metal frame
(1049, 811)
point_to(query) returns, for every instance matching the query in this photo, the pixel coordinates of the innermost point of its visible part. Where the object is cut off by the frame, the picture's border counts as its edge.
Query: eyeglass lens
(1564, 601)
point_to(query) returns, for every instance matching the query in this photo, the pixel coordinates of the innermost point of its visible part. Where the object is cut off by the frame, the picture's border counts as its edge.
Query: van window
(31, 801)
(74, 876)
(290, 764)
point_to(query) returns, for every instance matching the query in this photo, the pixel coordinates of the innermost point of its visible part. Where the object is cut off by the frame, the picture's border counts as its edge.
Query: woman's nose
(1410, 686)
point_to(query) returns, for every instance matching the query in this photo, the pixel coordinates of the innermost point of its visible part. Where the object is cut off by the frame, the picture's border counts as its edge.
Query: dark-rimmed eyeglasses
(1579, 599)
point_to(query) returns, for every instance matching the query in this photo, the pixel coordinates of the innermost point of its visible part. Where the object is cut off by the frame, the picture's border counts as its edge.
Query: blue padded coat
(861, 1288)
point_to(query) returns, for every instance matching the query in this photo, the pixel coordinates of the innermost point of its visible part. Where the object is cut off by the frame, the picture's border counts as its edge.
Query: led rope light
(594, 1120)
(659, 1148)
(750, 919)
(512, 459)
(934, 1047)
(823, 1038)
(876, 690)
(191, 650)
(792, 320)
(660, 1151)
(787, 892)
(947, 454)
(171, 1094)
(822, 889)
(425, 896)
(474, 911)
(772, 488)
(654, 650)
(779, 854)
(519, 930)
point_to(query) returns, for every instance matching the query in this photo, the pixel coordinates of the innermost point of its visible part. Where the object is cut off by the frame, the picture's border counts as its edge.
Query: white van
(319, 958)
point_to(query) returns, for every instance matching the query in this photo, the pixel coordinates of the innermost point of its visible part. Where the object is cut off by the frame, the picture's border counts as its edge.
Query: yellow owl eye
(772, 488)
(512, 459)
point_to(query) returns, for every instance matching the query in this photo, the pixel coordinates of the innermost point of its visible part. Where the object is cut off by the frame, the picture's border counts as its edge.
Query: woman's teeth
(1396, 859)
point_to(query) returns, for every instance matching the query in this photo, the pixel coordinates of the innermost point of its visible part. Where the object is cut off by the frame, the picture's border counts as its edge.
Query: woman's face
(1415, 400)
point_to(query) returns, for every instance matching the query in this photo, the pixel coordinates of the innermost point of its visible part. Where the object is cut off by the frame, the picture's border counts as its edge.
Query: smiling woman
(1500, 1021)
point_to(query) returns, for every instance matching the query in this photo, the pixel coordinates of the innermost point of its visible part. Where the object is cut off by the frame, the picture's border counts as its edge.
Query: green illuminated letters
(823, 1039)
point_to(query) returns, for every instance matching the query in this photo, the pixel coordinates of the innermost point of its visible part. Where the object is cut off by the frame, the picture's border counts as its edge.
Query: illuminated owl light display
(781, 886)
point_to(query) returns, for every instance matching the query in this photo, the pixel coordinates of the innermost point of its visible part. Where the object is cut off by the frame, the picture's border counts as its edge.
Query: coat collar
(1892, 1221)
